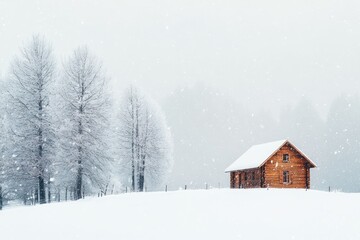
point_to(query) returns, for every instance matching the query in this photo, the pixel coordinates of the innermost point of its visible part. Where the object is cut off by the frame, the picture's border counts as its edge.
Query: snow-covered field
(197, 214)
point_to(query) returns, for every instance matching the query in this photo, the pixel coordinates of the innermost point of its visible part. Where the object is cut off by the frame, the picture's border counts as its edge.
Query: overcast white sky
(264, 53)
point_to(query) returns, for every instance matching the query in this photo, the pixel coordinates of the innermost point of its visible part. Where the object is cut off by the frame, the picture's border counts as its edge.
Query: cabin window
(246, 176)
(285, 157)
(286, 177)
(253, 176)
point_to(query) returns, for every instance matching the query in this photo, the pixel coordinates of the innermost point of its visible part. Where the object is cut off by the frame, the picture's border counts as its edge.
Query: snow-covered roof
(257, 155)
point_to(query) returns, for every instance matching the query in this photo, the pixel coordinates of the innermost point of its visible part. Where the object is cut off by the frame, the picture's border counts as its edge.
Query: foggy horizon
(281, 51)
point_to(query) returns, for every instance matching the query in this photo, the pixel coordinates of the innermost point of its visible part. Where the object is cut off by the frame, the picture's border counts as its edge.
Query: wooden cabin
(277, 164)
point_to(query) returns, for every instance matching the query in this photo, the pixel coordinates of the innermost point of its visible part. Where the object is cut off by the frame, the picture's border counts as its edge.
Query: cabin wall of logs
(250, 178)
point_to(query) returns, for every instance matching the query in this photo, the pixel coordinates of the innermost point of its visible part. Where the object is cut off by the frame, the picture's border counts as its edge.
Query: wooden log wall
(297, 166)
(249, 178)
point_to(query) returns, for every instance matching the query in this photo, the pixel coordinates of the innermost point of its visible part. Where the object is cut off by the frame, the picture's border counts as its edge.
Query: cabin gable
(287, 168)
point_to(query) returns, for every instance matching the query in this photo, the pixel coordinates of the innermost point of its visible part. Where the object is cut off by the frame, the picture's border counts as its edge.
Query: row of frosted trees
(62, 136)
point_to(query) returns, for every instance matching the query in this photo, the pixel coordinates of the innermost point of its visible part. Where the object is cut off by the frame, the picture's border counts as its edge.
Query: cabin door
(240, 180)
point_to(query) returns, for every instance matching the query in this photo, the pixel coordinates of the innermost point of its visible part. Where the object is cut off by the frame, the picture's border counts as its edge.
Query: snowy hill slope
(198, 214)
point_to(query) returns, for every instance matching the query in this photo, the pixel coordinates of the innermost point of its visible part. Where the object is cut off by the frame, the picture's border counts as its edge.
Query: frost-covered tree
(2, 179)
(2, 158)
(9, 187)
(3, 144)
(144, 139)
(85, 121)
(29, 88)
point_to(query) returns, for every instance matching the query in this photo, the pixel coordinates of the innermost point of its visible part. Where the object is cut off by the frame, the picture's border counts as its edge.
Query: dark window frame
(286, 177)
(286, 158)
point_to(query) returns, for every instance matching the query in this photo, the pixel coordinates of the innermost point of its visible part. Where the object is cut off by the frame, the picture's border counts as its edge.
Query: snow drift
(198, 214)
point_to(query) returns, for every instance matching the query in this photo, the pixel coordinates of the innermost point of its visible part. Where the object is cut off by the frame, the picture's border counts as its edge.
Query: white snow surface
(255, 156)
(192, 214)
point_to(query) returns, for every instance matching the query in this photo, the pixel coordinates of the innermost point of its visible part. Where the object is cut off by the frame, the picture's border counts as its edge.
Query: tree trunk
(40, 149)
(49, 193)
(36, 195)
(133, 171)
(142, 149)
(142, 174)
(79, 177)
(41, 181)
(133, 151)
(137, 144)
(42, 190)
(59, 195)
(78, 190)
(141, 182)
(1, 198)
(66, 193)
(71, 194)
